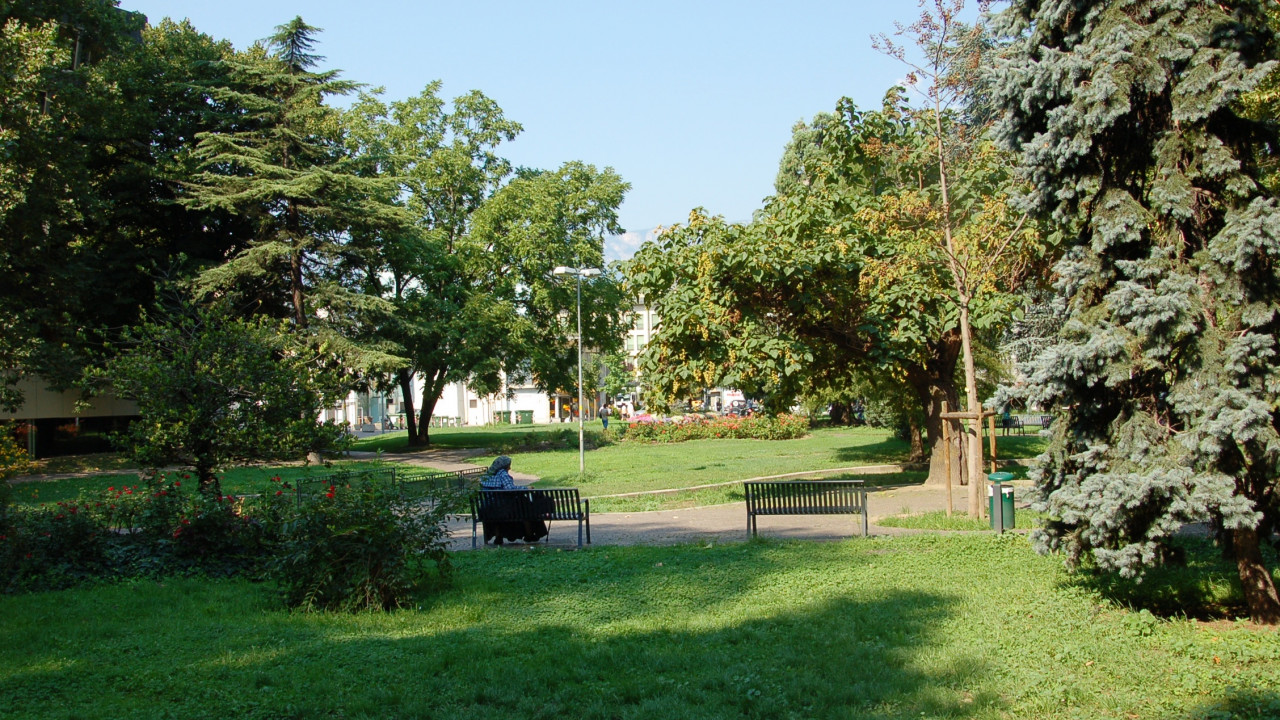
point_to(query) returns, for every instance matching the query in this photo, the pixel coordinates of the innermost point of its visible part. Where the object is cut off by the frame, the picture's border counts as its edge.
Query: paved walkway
(712, 523)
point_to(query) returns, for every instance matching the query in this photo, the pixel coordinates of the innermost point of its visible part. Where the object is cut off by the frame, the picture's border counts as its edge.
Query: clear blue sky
(691, 102)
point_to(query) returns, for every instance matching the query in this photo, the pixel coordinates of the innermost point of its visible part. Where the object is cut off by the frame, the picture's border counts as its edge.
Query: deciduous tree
(213, 389)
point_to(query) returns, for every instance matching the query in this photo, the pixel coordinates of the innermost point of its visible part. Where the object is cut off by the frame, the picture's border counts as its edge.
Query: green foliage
(13, 457)
(618, 380)
(283, 169)
(212, 390)
(470, 282)
(840, 282)
(758, 427)
(1163, 376)
(360, 546)
(96, 129)
(158, 527)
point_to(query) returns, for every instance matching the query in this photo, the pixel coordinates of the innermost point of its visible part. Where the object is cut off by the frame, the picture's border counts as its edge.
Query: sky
(691, 102)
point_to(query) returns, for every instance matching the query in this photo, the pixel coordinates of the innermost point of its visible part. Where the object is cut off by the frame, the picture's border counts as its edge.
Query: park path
(710, 523)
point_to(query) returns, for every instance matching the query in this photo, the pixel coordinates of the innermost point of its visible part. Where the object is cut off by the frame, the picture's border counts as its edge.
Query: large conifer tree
(284, 167)
(1165, 375)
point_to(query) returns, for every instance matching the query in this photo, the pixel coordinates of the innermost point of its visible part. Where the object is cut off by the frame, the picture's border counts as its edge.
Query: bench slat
(805, 497)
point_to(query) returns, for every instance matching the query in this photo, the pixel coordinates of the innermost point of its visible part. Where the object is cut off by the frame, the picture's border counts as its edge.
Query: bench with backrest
(545, 504)
(805, 497)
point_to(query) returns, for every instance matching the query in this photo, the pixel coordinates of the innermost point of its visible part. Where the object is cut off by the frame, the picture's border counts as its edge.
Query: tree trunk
(917, 442)
(207, 480)
(431, 391)
(933, 383)
(1255, 579)
(840, 414)
(405, 379)
(973, 460)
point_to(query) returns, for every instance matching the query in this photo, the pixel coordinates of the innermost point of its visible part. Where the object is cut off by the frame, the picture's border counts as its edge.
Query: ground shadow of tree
(1238, 704)
(593, 639)
(885, 451)
(1198, 583)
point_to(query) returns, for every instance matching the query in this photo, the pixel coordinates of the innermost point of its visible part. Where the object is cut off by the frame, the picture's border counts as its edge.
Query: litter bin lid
(1000, 477)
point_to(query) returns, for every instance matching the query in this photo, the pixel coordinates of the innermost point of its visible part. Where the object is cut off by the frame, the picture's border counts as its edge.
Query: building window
(473, 403)
(637, 322)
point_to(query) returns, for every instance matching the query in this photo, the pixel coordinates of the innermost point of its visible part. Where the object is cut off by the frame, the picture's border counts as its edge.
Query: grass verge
(235, 481)
(925, 626)
(938, 520)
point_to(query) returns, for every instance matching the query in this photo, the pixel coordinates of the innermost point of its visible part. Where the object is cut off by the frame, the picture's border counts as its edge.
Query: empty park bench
(545, 504)
(805, 497)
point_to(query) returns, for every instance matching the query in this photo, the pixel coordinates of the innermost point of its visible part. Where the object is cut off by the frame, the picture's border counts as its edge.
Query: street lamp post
(579, 273)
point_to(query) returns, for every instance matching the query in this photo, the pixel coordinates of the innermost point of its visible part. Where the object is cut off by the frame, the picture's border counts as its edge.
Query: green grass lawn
(617, 468)
(938, 520)
(925, 626)
(630, 467)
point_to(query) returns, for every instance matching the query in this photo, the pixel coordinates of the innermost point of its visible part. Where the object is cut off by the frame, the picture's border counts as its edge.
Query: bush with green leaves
(156, 527)
(359, 546)
(213, 389)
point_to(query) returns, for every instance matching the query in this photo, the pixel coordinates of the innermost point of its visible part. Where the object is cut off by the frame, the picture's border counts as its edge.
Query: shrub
(50, 547)
(758, 427)
(158, 527)
(358, 546)
(13, 459)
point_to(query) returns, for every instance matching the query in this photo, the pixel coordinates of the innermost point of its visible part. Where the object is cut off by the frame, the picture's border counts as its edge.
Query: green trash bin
(1006, 496)
(524, 417)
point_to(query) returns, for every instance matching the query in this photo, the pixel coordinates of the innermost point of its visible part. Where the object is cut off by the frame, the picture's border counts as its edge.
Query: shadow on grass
(534, 635)
(886, 451)
(1239, 704)
(1205, 586)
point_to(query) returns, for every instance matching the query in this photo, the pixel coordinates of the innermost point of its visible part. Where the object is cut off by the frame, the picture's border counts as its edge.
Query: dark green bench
(805, 497)
(545, 504)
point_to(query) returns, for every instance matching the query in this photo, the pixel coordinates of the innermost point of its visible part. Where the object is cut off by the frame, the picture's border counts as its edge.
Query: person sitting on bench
(499, 478)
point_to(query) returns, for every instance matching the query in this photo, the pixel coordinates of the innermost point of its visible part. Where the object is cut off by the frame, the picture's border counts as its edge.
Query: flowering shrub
(759, 427)
(50, 547)
(358, 546)
(156, 527)
(349, 546)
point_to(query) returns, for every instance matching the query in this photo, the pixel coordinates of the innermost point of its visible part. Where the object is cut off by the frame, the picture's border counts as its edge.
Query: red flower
(279, 493)
(178, 484)
(111, 489)
(328, 495)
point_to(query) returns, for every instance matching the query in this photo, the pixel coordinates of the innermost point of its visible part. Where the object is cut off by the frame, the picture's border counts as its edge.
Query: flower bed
(756, 427)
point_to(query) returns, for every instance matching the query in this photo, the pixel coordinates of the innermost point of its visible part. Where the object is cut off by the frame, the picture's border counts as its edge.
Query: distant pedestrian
(605, 412)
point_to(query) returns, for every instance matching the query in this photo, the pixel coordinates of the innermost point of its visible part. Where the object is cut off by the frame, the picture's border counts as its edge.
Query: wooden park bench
(805, 497)
(545, 504)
